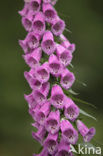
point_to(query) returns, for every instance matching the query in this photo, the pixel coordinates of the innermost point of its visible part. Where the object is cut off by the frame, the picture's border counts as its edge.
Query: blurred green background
(85, 20)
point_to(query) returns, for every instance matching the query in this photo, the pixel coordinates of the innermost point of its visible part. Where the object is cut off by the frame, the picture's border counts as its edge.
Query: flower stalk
(49, 53)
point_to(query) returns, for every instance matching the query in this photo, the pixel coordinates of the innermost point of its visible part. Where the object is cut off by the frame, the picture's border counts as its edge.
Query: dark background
(85, 20)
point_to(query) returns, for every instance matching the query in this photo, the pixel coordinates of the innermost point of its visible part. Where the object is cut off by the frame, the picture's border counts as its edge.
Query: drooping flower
(67, 79)
(43, 112)
(42, 73)
(64, 55)
(33, 58)
(52, 123)
(30, 42)
(49, 12)
(48, 44)
(45, 88)
(31, 100)
(35, 83)
(51, 143)
(87, 133)
(27, 22)
(58, 26)
(39, 96)
(55, 66)
(69, 134)
(71, 110)
(57, 97)
(39, 23)
(40, 134)
(35, 5)
(25, 10)
(65, 43)
(63, 149)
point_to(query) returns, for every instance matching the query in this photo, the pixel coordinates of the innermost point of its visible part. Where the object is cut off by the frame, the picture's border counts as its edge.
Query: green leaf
(73, 92)
(86, 114)
(83, 102)
(82, 83)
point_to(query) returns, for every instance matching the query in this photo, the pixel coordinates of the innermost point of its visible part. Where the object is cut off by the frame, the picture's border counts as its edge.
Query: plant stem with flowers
(49, 53)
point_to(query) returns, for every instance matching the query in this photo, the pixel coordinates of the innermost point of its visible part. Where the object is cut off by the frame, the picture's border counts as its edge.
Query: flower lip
(90, 134)
(66, 58)
(67, 79)
(71, 113)
(70, 135)
(51, 143)
(87, 133)
(34, 5)
(49, 12)
(58, 98)
(32, 41)
(48, 46)
(38, 25)
(55, 66)
(27, 23)
(43, 73)
(40, 98)
(58, 27)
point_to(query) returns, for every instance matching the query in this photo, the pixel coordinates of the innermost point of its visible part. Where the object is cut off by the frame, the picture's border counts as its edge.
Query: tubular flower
(52, 122)
(48, 53)
(57, 97)
(69, 134)
(71, 110)
(67, 79)
(48, 44)
(87, 133)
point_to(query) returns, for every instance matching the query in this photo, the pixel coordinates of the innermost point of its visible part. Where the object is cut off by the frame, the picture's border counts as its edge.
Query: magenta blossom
(48, 44)
(51, 143)
(69, 134)
(67, 79)
(87, 133)
(57, 97)
(71, 110)
(52, 123)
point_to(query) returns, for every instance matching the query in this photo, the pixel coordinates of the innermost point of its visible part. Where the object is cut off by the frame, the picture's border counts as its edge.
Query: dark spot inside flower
(37, 83)
(66, 79)
(71, 111)
(28, 23)
(50, 14)
(89, 135)
(39, 96)
(41, 116)
(48, 44)
(38, 25)
(58, 98)
(34, 5)
(52, 122)
(65, 57)
(55, 67)
(69, 133)
(32, 61)
(51, 144)
(32, 42)
(43, 73)
(57, 26)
